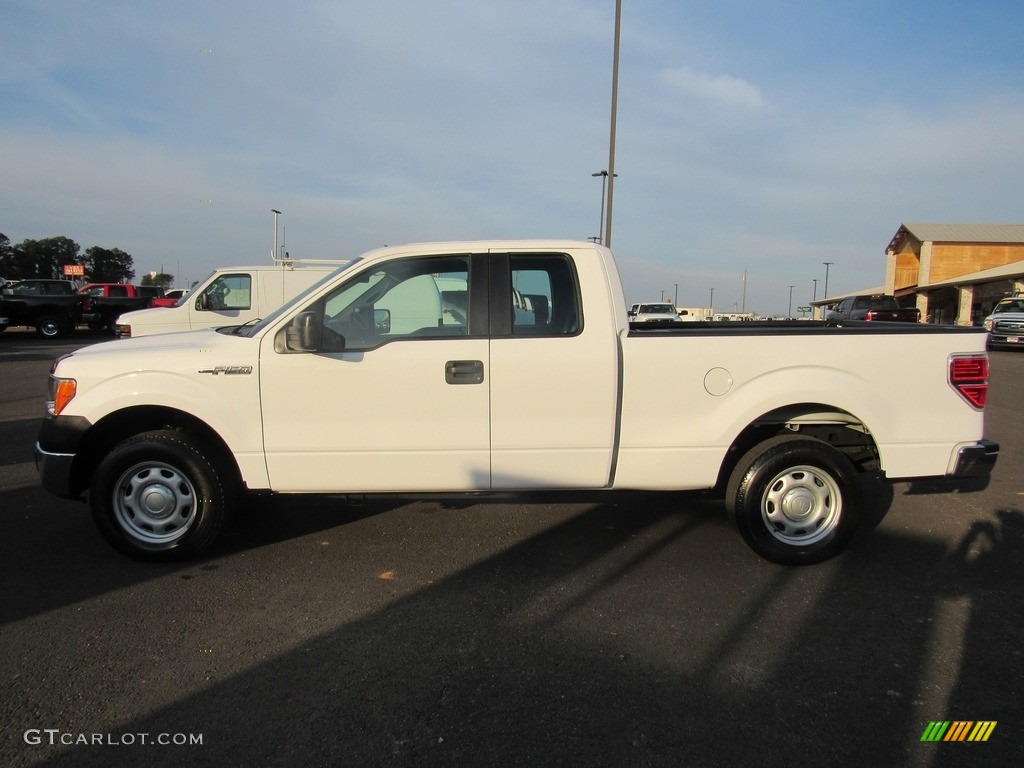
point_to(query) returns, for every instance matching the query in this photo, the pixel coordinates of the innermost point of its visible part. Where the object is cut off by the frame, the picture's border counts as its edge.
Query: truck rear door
(553, 375)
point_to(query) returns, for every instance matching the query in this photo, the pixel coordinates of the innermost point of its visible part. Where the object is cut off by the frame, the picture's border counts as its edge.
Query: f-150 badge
(228, 370)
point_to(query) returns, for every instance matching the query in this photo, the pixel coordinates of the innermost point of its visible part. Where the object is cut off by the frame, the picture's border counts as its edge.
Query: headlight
(988, 325)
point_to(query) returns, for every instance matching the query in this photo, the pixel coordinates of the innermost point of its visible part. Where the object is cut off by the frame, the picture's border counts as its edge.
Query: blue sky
(752, 136)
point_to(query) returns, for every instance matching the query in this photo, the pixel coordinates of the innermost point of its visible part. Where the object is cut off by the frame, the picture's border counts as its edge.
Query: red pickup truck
(105, 302)
(874, 307)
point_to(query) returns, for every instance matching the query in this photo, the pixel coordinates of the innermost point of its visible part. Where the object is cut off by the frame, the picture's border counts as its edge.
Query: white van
(229, 296)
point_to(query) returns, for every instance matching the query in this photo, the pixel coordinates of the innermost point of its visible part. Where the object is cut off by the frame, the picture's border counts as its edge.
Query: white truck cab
(228, 296)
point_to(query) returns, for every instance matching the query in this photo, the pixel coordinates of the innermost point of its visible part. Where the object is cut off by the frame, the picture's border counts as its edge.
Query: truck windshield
(252, 330)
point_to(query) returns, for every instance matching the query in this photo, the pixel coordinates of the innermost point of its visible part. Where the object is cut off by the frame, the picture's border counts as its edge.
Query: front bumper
(55, 472)
(56, 450)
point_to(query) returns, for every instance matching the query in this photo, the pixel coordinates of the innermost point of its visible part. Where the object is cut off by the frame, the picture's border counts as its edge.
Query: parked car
(874, 307)
(658, 313)
(1013, 304)
(176, 294)
(52, 307)
(229, 296)
(105, 302)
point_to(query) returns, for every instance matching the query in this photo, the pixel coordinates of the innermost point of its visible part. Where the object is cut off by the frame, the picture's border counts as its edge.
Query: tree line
(47, 258)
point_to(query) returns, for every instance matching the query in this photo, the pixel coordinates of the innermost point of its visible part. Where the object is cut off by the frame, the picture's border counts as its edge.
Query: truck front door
(395, 396)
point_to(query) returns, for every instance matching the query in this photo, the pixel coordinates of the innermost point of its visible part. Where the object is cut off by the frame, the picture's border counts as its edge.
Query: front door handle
(464, 372)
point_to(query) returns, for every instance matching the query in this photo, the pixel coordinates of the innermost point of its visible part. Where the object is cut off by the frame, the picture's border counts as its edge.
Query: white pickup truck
(507, 366)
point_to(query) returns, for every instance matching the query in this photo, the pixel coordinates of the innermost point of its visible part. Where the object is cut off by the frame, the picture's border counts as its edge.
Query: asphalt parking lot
(627, 630)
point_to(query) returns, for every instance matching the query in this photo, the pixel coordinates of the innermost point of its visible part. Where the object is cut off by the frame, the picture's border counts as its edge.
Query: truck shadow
(555, 650)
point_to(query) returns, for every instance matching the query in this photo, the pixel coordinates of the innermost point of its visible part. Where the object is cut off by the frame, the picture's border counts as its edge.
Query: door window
(227, 292)
(545, 299)
(420, 298)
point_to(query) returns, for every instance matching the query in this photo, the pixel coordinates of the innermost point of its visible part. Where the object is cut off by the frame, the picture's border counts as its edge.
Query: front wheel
(794, 500)
(50, 327)
(157, 496)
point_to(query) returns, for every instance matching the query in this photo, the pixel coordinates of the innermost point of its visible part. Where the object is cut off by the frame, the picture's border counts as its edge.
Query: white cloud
(724, 89)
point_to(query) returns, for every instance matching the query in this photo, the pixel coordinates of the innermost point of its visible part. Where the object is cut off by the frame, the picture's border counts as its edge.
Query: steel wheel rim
(50, 328)
(801, 505)
(154, 503)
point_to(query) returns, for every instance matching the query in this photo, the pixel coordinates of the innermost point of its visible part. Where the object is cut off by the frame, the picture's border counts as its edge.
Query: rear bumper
(976, 460)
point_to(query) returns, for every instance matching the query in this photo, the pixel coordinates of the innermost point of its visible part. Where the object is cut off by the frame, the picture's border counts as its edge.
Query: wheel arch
(833, 425)
(120, 425)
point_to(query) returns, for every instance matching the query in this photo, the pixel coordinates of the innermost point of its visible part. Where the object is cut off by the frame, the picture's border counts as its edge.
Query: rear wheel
(794, 500)
(157, 496)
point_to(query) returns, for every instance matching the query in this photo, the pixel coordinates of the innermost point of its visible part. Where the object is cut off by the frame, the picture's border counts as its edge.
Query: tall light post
(675, 301)
(789, 311)
(611, 135)
(815, 298)
(276, 213)
(827, 265)
(604, 181)
(711, 306)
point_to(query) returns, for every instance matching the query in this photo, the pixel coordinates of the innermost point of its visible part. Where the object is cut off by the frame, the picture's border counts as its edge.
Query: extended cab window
(545, 299)
(421, 298)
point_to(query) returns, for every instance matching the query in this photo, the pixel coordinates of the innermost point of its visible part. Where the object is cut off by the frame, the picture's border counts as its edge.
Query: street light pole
(277, 213)
(675, 301)
(789, 311)
(712, 305)
(611, 136)
(827, 265)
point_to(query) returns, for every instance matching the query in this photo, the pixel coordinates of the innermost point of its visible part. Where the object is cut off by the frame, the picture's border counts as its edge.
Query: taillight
(968, 375)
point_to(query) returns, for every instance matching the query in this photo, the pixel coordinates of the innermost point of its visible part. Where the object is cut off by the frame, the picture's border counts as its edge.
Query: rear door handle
(464, 372)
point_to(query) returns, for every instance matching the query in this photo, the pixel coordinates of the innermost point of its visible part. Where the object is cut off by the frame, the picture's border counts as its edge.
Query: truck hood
(155, 351)
(1014, 316)
(142, 314)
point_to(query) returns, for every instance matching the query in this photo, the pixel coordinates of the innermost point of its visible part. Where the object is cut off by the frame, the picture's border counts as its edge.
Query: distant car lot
(626, 630)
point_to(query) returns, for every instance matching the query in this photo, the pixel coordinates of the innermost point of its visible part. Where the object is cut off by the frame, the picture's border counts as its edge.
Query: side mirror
(303, 333)
(382, 320)
(202, 302)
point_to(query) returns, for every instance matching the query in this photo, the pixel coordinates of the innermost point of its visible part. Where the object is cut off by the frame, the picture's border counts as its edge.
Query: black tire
(50, 327)
(795, 500)
(157, 496)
